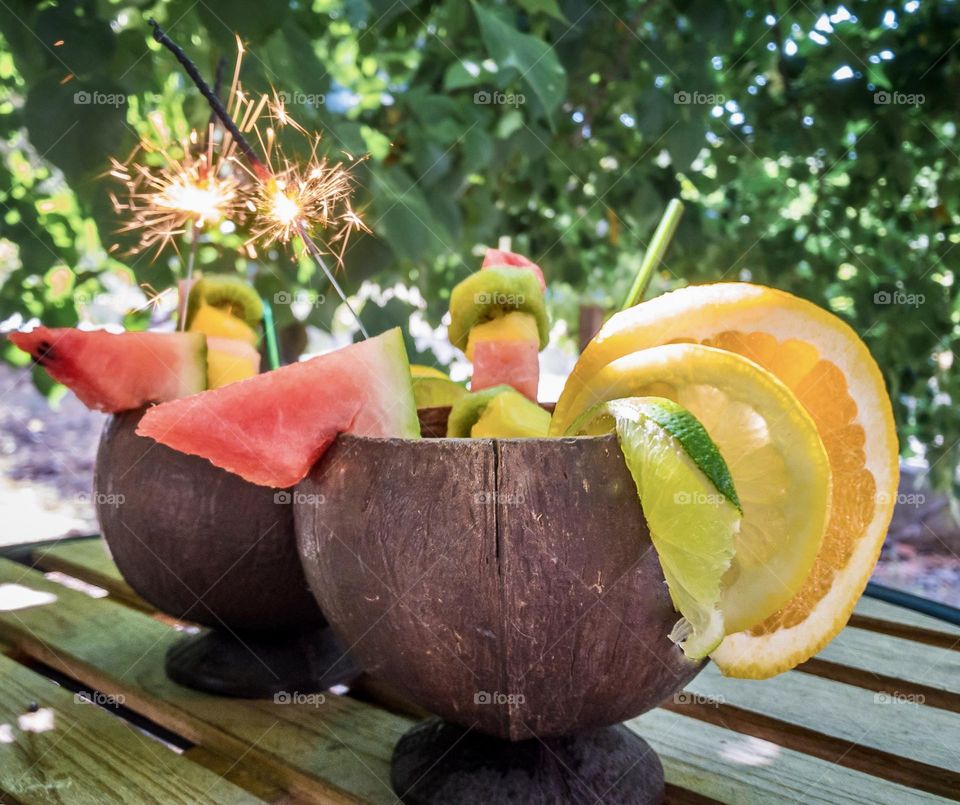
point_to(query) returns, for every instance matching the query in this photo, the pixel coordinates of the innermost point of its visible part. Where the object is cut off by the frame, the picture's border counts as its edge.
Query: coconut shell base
(203, 545)
(258, 666)
(437, 763)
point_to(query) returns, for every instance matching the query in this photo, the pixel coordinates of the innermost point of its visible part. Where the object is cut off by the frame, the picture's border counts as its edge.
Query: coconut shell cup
(510, 587)
(203, 545)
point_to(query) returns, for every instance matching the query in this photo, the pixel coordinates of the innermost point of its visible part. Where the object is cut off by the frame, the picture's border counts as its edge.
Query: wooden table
(874, 718)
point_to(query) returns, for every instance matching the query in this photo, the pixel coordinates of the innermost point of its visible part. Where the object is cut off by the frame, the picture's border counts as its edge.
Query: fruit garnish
(510, 415)
(419, 370)
(119, 371)
(496, 258)
(437, 392)
(272, 428)
(513, 326)
(689, 502)
(467, 410)
(227, 293)
(491, 293)
(217, 323)
(512, 363)
(230, 360)
(773, 451)
(833, 375)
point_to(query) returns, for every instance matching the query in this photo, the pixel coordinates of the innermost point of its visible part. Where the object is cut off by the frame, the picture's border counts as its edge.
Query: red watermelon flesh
(272, 428)
(496, 258)
(514, 363)
(119, 371)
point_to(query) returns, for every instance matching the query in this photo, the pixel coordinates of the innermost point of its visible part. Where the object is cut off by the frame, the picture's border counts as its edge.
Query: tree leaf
(548, 7)
(536, 61)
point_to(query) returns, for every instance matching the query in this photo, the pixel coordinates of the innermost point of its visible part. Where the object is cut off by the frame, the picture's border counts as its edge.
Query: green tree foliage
(814, 144)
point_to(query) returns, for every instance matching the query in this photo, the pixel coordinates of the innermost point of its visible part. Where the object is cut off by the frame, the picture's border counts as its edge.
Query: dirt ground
(46, 474)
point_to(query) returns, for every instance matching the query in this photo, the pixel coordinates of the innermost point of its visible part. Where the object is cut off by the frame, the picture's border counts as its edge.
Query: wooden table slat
(888, 649)
(236, 771)
(873, 654)
(901, 727)
(339, 750)
(836, 723)
(88, 560)
(881, 610)
(741, 769)
(73, 751)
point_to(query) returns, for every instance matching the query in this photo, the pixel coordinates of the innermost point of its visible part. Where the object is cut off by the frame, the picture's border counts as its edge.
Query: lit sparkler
(288, 200)
(194, 187)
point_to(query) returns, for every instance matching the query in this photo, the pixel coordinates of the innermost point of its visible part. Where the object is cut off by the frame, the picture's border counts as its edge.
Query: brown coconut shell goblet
(203, 545)
(510, 587)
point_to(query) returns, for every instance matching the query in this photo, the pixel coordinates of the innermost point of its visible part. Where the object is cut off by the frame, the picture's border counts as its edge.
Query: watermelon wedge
(272, 428)
(119, 371)
(496, 258)
(514, 363)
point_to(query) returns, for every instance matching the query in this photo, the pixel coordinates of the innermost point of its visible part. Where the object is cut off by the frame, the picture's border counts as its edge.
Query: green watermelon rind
(243, 427)
(201, 381)
(410, 425)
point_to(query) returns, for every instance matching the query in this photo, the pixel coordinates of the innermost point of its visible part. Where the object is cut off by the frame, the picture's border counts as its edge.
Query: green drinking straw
(655, 251)
(270, 333)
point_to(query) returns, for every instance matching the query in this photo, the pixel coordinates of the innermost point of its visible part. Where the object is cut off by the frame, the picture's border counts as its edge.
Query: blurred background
(814, 145)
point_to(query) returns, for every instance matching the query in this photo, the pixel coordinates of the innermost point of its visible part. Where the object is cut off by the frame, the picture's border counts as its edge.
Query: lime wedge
(688, 500)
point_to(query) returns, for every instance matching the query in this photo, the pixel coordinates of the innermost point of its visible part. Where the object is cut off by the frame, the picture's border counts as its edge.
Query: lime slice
(688, 500)
(774, 453)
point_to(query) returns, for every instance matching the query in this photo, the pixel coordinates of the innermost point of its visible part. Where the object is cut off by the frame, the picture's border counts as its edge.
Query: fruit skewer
(498, 319)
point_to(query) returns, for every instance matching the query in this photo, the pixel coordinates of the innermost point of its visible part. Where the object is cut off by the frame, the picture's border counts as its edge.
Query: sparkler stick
(215, 103)
(192, 231)
(287, 214)
(188, 282)
(318, 256)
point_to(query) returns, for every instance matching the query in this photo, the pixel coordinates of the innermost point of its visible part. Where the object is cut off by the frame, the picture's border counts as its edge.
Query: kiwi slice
(494, 292)
(467, 410)
(230, 294)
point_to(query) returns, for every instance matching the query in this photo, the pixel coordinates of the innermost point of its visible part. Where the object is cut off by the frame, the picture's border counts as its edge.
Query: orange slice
(831, 372)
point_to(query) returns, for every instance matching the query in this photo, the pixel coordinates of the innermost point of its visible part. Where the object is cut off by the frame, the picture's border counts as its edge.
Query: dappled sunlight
(42, 720)
(16, 596)
(73, 583)
(749, 751)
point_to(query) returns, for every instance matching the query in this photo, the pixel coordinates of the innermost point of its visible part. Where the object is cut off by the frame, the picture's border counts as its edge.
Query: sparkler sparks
(282, 200)
(297, 200)
(194, 187)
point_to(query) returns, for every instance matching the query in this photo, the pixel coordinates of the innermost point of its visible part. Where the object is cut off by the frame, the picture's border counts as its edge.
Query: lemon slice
(689, 503)
(771, 446)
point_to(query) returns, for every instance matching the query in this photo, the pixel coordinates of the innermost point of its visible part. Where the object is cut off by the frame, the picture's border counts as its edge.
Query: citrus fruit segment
(689, 503)
(771, 446)
(831, 372)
